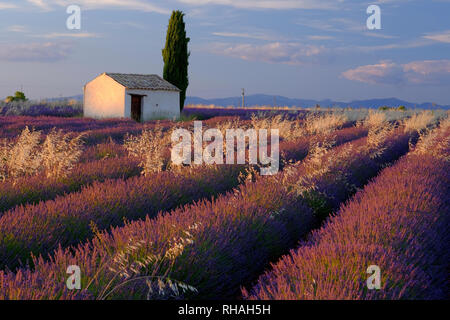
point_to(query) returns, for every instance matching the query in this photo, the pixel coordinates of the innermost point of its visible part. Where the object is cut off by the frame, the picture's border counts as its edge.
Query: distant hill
(77, 97)
(268, 100)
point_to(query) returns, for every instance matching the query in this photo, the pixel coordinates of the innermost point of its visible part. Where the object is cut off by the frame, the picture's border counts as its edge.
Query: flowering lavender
(399, 222)
(65, 221)
(237, 234)
(31, 190)
(71, 108)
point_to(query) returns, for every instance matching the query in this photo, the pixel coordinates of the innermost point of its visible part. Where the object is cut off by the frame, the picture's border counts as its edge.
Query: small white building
(137, 96)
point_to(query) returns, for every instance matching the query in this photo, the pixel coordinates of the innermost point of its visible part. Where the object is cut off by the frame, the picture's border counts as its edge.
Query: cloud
(7, 5)
(243, 35)
(129, 24)
(43, 5)
(410, 44)
(333, 25)
(35, 52)
(138, 5)
(319, 38)
(17, 28)
(379, 35)
(428, 71)
(432, 72)
(326, 26)
(69, 35)
(443, 36)
(275, 52)
(383, 72)
(266, 4)
(342, 25)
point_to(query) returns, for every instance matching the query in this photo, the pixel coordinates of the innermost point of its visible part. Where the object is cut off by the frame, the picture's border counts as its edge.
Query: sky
(310, 49)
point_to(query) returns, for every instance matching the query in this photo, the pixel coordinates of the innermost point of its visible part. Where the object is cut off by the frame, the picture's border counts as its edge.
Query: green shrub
(18, 96)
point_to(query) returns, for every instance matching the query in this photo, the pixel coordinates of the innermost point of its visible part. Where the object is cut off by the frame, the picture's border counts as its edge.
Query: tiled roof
(142, 81)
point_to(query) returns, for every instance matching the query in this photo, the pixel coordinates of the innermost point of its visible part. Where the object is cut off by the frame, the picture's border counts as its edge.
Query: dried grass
(288, 129)
(60, 152)
(132, 270)
(418, 122)
(21, 158)
(148, 147)
(324, 124)
(27, 156)
(377, 137)
(435, 142)
(375, 119)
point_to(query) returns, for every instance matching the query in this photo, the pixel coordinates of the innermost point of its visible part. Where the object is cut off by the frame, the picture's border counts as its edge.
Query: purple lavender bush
(53, 109)
(29, 190)
(221, 244)
(399, 223)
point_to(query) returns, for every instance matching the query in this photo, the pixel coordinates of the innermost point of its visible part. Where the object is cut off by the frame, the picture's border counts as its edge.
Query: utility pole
(243, 98)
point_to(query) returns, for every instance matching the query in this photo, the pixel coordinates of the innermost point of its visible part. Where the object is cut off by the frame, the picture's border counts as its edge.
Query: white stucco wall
(156, 104)
(104, 98)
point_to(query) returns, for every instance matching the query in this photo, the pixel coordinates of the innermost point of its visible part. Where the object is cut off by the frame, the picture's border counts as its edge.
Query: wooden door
(136, 107)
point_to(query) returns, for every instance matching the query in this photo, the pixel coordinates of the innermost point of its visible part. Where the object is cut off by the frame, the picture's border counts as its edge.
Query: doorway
(136, 107)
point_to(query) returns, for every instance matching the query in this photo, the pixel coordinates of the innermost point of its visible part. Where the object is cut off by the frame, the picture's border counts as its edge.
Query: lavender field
(355, 189)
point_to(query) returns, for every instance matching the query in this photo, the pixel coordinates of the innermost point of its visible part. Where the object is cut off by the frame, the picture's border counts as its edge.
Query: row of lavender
(398, 223)
(70, 109)
(31, 190)
(243, 113)
(63, 108)
(13, 126)
(215, 246)
(97, 163)
(10, 127)
(107, 160)
(65, 221)
(96, 131)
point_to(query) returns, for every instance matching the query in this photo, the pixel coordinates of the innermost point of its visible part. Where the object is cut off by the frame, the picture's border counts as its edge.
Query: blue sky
(308, 49)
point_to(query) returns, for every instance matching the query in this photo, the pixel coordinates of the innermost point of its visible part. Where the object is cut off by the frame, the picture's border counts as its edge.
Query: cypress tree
(176, 55)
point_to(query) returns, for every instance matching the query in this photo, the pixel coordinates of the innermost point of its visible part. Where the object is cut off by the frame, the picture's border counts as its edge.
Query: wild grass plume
(27, 156)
